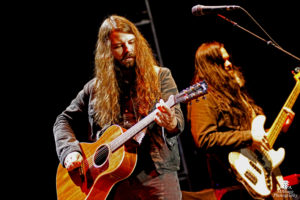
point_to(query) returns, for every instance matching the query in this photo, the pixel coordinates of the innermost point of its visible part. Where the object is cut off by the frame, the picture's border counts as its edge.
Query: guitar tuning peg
(296, 70)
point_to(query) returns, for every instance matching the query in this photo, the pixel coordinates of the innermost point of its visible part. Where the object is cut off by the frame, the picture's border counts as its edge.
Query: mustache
(128, 55)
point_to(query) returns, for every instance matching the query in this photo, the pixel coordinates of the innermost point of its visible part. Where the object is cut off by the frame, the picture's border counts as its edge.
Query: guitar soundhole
(101, 155)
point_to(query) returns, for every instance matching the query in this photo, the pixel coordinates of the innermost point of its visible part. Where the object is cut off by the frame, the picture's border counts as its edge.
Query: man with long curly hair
(127, 86)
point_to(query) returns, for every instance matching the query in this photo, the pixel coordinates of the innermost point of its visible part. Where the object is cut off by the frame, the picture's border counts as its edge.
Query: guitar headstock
(296, 73)
(192, 92)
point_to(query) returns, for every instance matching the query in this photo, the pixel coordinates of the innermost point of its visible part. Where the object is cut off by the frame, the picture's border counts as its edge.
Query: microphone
(200, 10)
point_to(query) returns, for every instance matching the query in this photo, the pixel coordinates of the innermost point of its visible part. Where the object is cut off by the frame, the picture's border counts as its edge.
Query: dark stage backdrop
(59, 41)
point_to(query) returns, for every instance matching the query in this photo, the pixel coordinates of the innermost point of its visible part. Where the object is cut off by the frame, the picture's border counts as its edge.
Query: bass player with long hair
(223, 121)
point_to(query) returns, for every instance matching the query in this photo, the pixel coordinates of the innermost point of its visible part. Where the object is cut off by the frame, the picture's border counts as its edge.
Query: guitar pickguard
(253, 168)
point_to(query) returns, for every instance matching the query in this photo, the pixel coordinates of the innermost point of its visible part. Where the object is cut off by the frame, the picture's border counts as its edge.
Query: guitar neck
(131, 132)
(193, 91)
(282, 116)
(123, 138)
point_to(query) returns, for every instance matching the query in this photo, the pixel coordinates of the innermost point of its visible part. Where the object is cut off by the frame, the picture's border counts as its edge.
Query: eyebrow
(118, 43)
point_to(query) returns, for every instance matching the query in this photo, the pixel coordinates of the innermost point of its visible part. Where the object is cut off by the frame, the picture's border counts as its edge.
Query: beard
(128, 60)
(128, 63)
(239, 78)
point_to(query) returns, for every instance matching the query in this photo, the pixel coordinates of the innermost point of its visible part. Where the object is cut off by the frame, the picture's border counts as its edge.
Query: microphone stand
(267, 42)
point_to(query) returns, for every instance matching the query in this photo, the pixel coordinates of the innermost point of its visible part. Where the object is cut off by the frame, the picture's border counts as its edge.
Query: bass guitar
(111, 158)
(253, 166)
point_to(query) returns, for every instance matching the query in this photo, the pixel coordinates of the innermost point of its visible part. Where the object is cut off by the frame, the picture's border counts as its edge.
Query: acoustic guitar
(111, 158)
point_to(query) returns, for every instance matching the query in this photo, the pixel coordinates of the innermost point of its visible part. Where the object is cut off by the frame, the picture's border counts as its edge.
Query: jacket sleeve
(168, 88)
(212, 130)
(68, 124)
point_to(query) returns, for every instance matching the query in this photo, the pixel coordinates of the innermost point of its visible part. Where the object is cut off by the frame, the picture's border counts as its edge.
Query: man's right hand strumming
(73, 160)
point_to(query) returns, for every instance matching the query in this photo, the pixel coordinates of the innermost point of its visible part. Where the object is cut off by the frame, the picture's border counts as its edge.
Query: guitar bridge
(251, 177)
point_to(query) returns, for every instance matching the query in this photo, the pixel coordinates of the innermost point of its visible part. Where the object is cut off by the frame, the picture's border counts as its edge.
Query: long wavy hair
(230, 96)
(107, 91)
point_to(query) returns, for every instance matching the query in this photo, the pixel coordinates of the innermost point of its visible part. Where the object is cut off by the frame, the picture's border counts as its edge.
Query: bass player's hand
(259, 136)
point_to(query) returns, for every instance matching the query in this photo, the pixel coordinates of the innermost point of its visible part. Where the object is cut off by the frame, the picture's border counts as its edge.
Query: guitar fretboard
(193, 91)
(121, 139)
(283, 114)
(131, 132)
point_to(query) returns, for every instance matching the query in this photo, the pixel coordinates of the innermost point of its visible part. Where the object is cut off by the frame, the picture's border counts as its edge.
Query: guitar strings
(104, 152)
(117, 142)
(290, 102)
(101, 153)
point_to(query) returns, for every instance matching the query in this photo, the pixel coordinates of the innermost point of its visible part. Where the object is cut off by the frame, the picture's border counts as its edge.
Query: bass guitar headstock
(296, 73)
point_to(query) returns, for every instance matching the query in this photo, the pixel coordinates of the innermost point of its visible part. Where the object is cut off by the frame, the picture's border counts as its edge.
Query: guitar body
(100, 170)
(113, 157)
(253, 167)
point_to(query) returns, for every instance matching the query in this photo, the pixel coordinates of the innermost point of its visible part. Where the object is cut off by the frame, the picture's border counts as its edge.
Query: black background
(53, 49)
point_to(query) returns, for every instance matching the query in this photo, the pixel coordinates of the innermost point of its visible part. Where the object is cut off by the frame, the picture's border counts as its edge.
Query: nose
(228, 65)
(127, 48)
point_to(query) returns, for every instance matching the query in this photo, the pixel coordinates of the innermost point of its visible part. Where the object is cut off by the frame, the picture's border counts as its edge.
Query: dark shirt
(213, 129)
(76, 124)
(215, 134)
